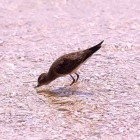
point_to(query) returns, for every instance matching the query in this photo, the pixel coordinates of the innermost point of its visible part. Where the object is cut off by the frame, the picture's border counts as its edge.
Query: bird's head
(46, 78)
(42, 79)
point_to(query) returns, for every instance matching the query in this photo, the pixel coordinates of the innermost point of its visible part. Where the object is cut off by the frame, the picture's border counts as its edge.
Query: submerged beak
(37, 86)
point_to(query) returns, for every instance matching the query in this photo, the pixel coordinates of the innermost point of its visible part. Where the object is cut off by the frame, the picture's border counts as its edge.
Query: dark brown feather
(69, 62)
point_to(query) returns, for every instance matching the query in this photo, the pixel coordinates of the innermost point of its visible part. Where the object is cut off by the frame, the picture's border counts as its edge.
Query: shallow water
(104, 104)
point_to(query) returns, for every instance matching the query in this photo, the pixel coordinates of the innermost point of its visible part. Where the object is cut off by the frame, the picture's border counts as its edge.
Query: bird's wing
(69, 62)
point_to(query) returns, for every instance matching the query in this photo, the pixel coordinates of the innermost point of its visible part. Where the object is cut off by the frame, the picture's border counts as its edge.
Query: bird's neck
(50, 77)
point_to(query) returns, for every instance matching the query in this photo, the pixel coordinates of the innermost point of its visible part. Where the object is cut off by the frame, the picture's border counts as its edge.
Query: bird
(67, 64)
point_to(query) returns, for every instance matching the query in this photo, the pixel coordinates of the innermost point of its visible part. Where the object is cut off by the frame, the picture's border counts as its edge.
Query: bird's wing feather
(68, 63)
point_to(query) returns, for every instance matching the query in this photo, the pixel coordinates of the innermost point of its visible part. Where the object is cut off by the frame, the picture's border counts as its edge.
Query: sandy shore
(104, 104)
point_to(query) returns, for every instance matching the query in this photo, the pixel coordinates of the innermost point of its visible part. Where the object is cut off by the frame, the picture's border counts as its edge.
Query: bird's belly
(75, 70)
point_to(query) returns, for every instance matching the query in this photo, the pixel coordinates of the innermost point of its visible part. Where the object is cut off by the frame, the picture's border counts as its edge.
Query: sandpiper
(67, 65)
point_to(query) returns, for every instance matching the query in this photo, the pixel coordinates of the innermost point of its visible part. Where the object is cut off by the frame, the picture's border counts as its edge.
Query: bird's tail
(96, 47)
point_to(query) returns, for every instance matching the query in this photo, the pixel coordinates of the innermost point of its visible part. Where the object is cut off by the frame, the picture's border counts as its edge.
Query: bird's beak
(37, 86)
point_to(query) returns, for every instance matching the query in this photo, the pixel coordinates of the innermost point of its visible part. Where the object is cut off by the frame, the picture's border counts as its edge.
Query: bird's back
(66, 64)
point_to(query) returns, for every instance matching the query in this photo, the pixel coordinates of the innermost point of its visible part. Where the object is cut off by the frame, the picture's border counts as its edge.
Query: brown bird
(67, 64)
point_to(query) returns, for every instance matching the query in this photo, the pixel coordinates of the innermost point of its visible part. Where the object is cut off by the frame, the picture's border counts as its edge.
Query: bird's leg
(77, 77)
(72, 79)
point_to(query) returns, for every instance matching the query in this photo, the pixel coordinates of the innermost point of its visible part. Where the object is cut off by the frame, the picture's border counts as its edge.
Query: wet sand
(104, 104)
